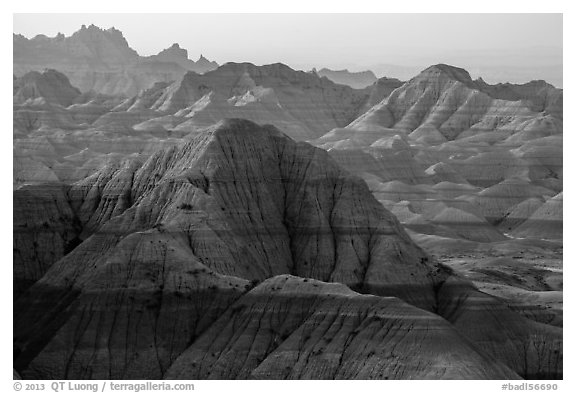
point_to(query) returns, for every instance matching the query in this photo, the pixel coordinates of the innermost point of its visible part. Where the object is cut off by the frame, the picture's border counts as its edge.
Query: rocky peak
(101, 60)
(173, 53)
(50, 85)
(106, 45)
(306, 205)
(203, 65)
(446, 98)
(19, 42)
(287, 93)
(446, 71)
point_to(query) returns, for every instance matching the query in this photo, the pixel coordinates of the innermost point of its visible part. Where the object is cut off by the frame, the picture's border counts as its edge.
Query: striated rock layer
(302, 105)
(172, 245)
(45, 229)
(64, 135)
(459, 158)
(446, 100)
(295, 328)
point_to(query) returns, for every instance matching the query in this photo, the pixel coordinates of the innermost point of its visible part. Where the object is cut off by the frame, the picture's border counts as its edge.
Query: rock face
(49, 86)
(476, 313)
(49, 116)
(457, 157)
(302, 105)
(545, 222)
(101, 60)
(494, 202)
(63, 135)
(446, 99)
(173, 245)
(357, 80)
(153, 239)
(541, 96)
(174, 54)
(294, 328)
(45, 229)
(178, 55)
(204, 65)
(380, 90)
(89, 43)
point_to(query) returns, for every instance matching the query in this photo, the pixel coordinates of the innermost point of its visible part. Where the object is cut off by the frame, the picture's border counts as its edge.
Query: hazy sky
(312, 38)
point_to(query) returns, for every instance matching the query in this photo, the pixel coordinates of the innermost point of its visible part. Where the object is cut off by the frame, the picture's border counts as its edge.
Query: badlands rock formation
(381, 89)
(545, 222)
(493, 151)
(50, 87)
(101, 60)
(45, 229)
(357, 80)
(445, 100)
(186, 268)
(155, 239)
(302, 105)
(330, 332)
(474, 172)
(178, 55)
(63, 135)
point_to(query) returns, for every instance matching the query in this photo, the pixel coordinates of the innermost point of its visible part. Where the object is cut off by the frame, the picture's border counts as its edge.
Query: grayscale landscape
(187, 218)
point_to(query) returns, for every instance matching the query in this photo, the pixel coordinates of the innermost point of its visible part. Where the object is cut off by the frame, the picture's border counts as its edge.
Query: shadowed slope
(545, 222)
(294, 328)
(50, 85)
(246, 201)
(237, 202)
